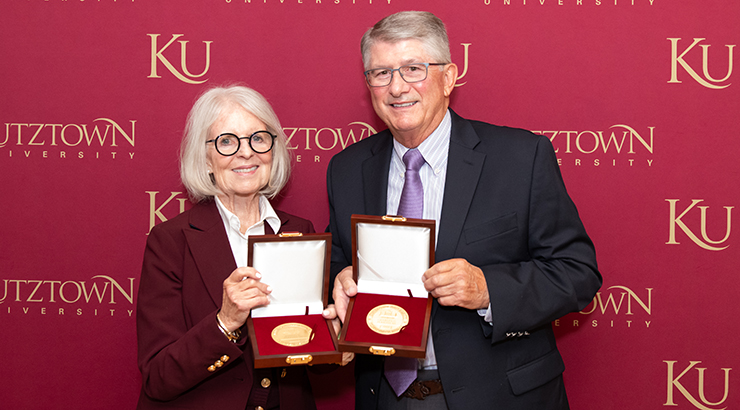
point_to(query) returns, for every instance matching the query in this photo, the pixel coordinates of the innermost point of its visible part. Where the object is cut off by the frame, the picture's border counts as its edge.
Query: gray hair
(205, 112)
(409, 25)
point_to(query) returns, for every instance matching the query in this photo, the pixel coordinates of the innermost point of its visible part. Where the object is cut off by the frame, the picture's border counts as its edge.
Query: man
(512, 254)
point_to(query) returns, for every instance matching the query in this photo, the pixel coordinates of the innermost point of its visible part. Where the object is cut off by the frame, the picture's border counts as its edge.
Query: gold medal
(387, 319)
(292, 334)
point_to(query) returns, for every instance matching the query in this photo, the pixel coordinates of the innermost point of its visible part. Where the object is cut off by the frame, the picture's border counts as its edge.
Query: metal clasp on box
(394, 218)
(300, 359)
(289, 234)
(382, 350)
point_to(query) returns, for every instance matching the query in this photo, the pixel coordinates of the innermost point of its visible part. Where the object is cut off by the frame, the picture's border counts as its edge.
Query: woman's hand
(243, 292)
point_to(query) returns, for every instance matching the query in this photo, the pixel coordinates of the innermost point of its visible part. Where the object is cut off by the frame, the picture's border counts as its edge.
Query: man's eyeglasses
(228, 144)
(411, 73)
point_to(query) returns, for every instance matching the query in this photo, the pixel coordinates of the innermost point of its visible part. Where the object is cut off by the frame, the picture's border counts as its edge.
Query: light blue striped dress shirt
(433, 173)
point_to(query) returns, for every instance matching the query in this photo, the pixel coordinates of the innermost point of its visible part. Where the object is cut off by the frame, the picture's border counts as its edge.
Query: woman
(196, 289)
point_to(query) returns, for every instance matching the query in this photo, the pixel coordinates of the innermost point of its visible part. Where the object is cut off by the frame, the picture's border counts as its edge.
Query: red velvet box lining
(321, 341)
(411, 335)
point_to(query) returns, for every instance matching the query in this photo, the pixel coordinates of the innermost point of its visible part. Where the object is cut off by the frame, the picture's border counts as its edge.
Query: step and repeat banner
(640, 98)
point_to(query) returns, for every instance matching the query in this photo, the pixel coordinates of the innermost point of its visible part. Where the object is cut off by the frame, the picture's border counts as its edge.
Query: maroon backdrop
(640, 99)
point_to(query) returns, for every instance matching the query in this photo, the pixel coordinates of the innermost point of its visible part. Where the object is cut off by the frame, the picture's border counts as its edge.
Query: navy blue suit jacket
(505, 210)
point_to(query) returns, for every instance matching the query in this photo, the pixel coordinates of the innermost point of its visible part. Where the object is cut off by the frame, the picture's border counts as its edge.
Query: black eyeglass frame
(239, 142)
(426, 73)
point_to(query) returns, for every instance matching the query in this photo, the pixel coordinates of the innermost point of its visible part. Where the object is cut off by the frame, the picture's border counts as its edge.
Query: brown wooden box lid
(394, 253)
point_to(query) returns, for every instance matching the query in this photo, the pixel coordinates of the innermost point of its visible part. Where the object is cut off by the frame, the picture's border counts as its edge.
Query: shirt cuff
(486, 314)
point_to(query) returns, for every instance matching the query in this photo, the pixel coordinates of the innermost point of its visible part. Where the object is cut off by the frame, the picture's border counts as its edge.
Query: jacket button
(265, 382)
(372, 391)
(225, 358)
(211, 368)
(259, 408)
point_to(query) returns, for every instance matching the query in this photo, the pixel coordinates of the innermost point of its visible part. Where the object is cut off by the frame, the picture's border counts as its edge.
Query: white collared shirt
(433, 173)
(238, 240)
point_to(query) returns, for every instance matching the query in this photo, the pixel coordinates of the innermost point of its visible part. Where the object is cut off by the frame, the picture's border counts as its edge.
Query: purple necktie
(401, 371)
(411, 204)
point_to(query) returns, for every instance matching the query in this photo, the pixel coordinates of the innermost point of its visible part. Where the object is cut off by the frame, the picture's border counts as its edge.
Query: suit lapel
(464, 168)
(375, 175)
(210, 248)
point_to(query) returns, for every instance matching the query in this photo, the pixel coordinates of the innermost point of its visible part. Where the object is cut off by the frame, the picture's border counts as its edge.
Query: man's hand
(455, 282)
(331, 313)
(344, 288)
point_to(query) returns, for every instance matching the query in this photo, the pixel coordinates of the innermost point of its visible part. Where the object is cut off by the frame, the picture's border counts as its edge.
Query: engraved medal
(292, 334)
(387, 319)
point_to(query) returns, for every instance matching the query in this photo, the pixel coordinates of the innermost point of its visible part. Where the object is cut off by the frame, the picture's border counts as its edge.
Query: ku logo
(674, 383)
(707, 81)
(465, 64)
(156, 208)
(704, 242)
(185, 75)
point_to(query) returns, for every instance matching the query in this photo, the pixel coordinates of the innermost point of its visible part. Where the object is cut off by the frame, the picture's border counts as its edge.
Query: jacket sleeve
(560, 274)
(339, 258)
(174, 353)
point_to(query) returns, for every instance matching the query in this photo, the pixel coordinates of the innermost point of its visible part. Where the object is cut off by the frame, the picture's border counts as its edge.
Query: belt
(420, 389)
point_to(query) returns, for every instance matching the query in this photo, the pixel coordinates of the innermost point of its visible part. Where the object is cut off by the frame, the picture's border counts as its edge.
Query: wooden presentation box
(297, 268)
(390, 254)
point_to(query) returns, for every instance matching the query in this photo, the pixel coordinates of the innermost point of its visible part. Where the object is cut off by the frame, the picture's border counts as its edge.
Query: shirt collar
(267, 213)
(434, 148)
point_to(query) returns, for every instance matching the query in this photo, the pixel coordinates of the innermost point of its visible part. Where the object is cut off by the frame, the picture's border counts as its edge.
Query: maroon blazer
(185, 263)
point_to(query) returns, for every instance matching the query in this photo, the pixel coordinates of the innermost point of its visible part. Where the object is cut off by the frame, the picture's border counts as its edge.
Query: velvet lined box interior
(321, 342)
(357, 329)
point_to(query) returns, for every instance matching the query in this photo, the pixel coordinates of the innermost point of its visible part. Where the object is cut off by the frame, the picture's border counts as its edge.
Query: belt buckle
(419, 389)
(424, 390)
